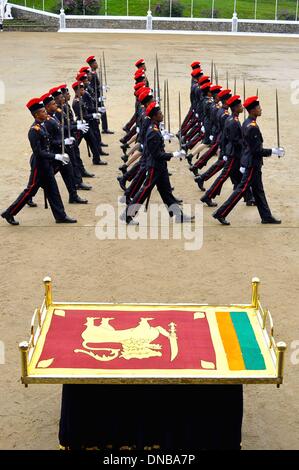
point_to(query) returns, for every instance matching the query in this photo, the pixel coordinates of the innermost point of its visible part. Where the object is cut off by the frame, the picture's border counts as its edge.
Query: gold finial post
(48, 291)
(23, 347)
(255, 292)
(281, 349)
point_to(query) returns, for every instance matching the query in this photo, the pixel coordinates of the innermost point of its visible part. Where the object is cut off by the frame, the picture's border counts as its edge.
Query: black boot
(200, 183)
(9, 218)
(208, 201)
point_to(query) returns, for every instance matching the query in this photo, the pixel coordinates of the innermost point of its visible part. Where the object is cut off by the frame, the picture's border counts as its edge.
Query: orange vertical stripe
(230, 341)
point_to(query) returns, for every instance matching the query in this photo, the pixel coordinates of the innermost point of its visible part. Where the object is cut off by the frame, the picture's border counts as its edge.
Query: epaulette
(226, 112)
(58, 110)
(252, 123)
(36, 127)
(155, 129)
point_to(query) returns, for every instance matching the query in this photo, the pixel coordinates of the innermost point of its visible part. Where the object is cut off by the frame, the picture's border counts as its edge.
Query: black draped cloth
(174, 417)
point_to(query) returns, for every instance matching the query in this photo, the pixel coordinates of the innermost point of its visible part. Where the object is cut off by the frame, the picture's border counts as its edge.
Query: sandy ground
(84, 268)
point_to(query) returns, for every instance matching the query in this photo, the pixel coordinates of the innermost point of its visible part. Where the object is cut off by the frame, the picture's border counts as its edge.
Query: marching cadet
(74, 128)
(54, 128)
(251, 167)
(221, 115)
(84, 115)
(91, 61)
(42, 174)
(157, 173)
(140, 64)
(138, 172)
(231, 150)
(89, 98)
(64, 116)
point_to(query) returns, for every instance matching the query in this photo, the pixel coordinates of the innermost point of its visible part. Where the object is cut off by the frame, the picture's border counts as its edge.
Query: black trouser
(67, 174)
(136, 184)
(104, 122)
(160, 178)
(203, 160)
(129, 135)
(131, 122)
(252, 177)
(40, 178)
(227, 170)
(217, 166)
(92, 143)
(74, 154)
(94, 124)
(132, 172)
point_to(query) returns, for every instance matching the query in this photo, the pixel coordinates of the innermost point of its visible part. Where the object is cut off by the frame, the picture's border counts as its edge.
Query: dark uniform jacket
(253, 151)
(54, 130)
(40, 145)
(232, 137)
(154, 148)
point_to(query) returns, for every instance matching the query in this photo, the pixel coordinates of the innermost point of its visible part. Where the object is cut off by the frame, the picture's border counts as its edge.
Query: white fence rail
(278, 9)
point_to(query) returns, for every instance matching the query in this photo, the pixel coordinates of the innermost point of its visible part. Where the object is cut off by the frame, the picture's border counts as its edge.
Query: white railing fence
(245, 9)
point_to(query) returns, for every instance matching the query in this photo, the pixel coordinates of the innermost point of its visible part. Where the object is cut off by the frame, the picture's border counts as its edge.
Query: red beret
(62, 87)
(46, 98)
(251, 102)
(196, 72)
(90, 59)
(76, 84)
(215, 88)
(152, 107)
(233, 100)
(204, 78)
(55, 91)
(34, 104)
(81, 76)
(139, 85)
(139, 73)
(224, 93)
(139, 62)
(147, 92)
(139, 91)
(205, 86)
(84, 69)
(195, 65)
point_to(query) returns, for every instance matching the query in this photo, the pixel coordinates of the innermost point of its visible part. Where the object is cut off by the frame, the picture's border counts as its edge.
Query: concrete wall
(103, 23)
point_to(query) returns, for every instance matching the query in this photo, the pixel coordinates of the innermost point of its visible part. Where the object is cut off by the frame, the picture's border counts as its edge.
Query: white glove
(82, 126)
(242, 170)
(102, 110)
(62, 157)
(80, 122)
(101, 99)
(69, 140)
(224, 158)
(279, 151)
(202, 129)
(168, 135)
(96, 116)
(137, 130)
(179, 154)
(105, 88)
(211, 137)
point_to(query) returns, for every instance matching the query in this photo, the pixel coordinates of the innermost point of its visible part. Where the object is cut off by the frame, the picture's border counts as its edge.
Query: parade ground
(84, 268)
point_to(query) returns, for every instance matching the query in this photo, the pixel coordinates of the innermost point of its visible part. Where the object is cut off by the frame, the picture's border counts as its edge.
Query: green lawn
(202, 8)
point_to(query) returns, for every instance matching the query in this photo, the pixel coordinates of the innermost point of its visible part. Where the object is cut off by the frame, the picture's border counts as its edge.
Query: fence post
(235, 23)
(62, 19)
(149, 20)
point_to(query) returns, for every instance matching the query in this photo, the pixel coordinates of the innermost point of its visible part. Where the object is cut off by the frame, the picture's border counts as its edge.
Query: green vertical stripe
(251, 352)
